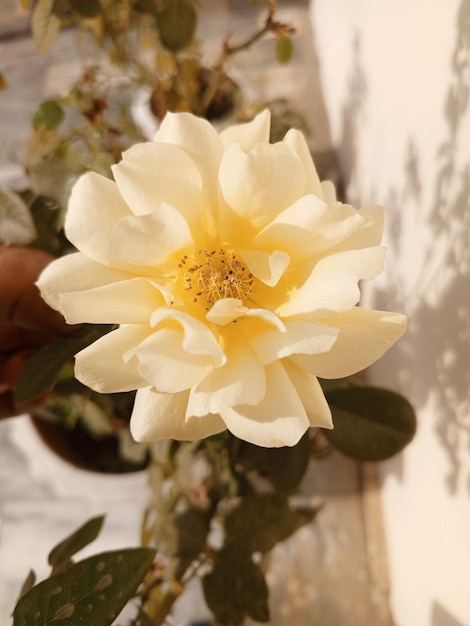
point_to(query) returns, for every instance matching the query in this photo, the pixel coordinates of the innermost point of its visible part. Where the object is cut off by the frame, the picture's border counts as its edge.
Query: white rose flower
(232, 274)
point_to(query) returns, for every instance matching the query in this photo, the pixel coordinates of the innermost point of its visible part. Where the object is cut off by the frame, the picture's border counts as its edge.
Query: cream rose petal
(101, 365)
(328, 191)
(154, 173)
(333, 284)
(278, 420)
(75, 272)
(347, 228)
(95, 207)
(229, 309)
(241, 380)
(148, 240)
(268, 267)
(166, 365)
(198, 338)
(365, 335)
(173, 359)
(370, 230)
(225, 311)
(128, 302)
(294, 230)
(299, 337)
(249, 134)
(260, 184)
(162, 416)
(200, 141)
(311, 395)
(296, 140)
(310, 227)
(266, 316)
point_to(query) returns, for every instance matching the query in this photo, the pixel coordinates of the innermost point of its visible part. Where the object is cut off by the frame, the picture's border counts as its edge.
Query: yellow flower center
(213, 275)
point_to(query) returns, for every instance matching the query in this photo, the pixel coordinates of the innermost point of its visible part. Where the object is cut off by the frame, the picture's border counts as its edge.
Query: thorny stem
(228, 50)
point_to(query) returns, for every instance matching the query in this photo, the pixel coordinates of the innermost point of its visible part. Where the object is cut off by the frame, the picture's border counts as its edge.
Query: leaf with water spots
(89, 593)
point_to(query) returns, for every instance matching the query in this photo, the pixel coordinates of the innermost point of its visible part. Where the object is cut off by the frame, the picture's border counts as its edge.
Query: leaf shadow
(433, 358)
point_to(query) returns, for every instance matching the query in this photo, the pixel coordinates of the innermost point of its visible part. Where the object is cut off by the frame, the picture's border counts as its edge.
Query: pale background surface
(396, 79)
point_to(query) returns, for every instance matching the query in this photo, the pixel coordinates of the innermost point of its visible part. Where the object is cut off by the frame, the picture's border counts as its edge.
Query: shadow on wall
(352, 114)
(432, 363)
(441, 617)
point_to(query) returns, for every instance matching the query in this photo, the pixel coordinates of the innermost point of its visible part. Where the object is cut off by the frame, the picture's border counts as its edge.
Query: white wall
(396, 76)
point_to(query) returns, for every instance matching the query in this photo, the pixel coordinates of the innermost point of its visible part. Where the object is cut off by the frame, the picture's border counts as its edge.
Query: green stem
(228, 51)
(165, 606)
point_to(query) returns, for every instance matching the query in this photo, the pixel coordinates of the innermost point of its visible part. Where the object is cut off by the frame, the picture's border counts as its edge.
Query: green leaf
(48, 115)
(60, 556)
(176, 23)
(86, 8)
(28, 583)
(45, 26)
(183, 535)
(284, 49)
(143, 6)
(48, 220)
(91, 592)
(53, 179)
(371, 424)
(16, 224)
(42, 369)
(283, 467)
(236, 588)
(261, 520)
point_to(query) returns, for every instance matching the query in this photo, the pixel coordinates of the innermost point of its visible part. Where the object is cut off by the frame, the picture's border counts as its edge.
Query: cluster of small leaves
(173, 72)
(236, 587)
(219, 506)
(175, 20)
(87, 128)
(248, 494)
(92, 591)
(90, 126)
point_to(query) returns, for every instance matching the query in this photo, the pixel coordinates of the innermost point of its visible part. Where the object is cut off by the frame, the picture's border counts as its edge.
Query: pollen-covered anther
(216, 274)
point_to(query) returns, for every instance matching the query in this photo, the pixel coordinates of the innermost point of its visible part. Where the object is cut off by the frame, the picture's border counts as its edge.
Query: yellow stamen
(216, 274)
